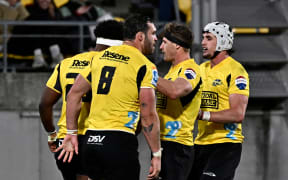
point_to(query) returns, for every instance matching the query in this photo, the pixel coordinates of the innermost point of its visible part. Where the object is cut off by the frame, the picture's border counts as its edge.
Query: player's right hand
(69, 145)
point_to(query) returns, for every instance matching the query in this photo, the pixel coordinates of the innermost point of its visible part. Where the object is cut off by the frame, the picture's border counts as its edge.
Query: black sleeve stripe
(179, 71)
(140, 75)
(228, 79)
(187, 99)
(89, 77)
(58, 83)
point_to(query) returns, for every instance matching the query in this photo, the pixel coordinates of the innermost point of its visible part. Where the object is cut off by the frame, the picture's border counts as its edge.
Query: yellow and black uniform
(218, 146)
(177, 118)
(61, 81)
(226, 78)
(117, 74)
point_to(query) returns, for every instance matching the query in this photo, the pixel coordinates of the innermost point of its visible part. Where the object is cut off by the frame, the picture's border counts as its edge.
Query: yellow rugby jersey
(227, 77)
(62, 80)
(117, 74)
(177, 117)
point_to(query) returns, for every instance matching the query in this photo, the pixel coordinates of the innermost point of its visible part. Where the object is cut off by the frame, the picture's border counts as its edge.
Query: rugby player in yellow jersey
(224, 100)
(178, 102)
(108, 33)
(122, 80)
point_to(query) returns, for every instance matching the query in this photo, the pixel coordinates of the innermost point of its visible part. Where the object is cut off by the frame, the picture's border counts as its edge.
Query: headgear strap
(176, 40)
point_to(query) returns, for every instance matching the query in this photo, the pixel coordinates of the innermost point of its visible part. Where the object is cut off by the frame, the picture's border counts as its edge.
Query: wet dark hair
(134, 24)
(110, 29)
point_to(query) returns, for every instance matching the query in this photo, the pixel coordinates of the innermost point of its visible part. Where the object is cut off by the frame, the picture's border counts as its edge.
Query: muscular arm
(174, 89)
(73, 107)
(48, 99)
(151, 128)
(236, 113)
(149, 118)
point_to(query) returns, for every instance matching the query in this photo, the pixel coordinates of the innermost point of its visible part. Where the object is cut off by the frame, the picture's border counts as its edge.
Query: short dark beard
(148, 49)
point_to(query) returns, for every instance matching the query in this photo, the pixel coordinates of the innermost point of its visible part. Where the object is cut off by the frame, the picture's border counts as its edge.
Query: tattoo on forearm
(149, 128)
(143, 104)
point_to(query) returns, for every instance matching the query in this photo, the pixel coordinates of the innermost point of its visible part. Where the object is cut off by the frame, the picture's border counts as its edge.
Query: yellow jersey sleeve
(151, 76)
(191, 74)
(239, 83)
(54, 80)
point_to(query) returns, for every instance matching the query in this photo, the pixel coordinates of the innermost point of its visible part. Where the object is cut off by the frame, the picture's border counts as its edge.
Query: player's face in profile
(169, 49)
(150, 39)
(209, 43)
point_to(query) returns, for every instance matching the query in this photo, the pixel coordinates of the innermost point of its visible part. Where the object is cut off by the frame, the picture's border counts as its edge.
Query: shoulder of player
(85, 55)
(236, 65)
(205, 64)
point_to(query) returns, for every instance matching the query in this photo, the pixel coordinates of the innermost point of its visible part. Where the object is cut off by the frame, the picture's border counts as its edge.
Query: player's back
(62, 80)
(117, 75)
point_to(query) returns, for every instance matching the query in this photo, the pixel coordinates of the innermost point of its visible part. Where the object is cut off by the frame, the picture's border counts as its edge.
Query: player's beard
(208, 55)
(148, 46)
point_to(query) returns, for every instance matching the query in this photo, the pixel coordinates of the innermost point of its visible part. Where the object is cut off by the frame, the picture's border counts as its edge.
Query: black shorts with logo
(70, 170)
(216, 161)
(176, 161)
(111, 155)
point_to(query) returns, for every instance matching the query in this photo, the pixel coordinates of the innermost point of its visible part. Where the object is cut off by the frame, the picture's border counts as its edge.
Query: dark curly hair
(110, 29)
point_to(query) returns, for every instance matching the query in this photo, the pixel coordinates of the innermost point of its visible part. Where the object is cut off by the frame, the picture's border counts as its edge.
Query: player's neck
(180, 57)
(134, 44)
(219, 58)
(100, 47)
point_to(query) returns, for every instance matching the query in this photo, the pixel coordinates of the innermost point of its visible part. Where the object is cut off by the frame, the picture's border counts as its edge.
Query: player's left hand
(69, 145)
(154, 168)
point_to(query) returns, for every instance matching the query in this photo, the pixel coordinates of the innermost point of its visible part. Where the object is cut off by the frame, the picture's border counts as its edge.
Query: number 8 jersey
(117, 74)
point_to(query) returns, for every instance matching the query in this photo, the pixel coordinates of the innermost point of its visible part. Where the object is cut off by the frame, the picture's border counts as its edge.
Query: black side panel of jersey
(58, 85)
(140, 76)
(187, 99)
(89, 77)
(228, 79)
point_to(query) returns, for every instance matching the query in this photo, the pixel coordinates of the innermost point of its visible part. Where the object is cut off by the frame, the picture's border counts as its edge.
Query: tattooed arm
(151, 128)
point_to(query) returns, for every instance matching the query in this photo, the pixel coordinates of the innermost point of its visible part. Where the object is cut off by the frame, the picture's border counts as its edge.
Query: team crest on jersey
(154, 77)
(190, 73)
(241, 82)
(217, 82)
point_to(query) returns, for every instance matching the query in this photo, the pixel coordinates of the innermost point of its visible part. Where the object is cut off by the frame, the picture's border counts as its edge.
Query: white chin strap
(108, 42)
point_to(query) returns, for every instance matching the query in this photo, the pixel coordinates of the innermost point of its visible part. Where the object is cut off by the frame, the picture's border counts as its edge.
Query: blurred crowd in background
(43, 46)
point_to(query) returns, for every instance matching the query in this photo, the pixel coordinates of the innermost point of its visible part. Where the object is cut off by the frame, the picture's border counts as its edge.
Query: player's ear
(140, 36)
